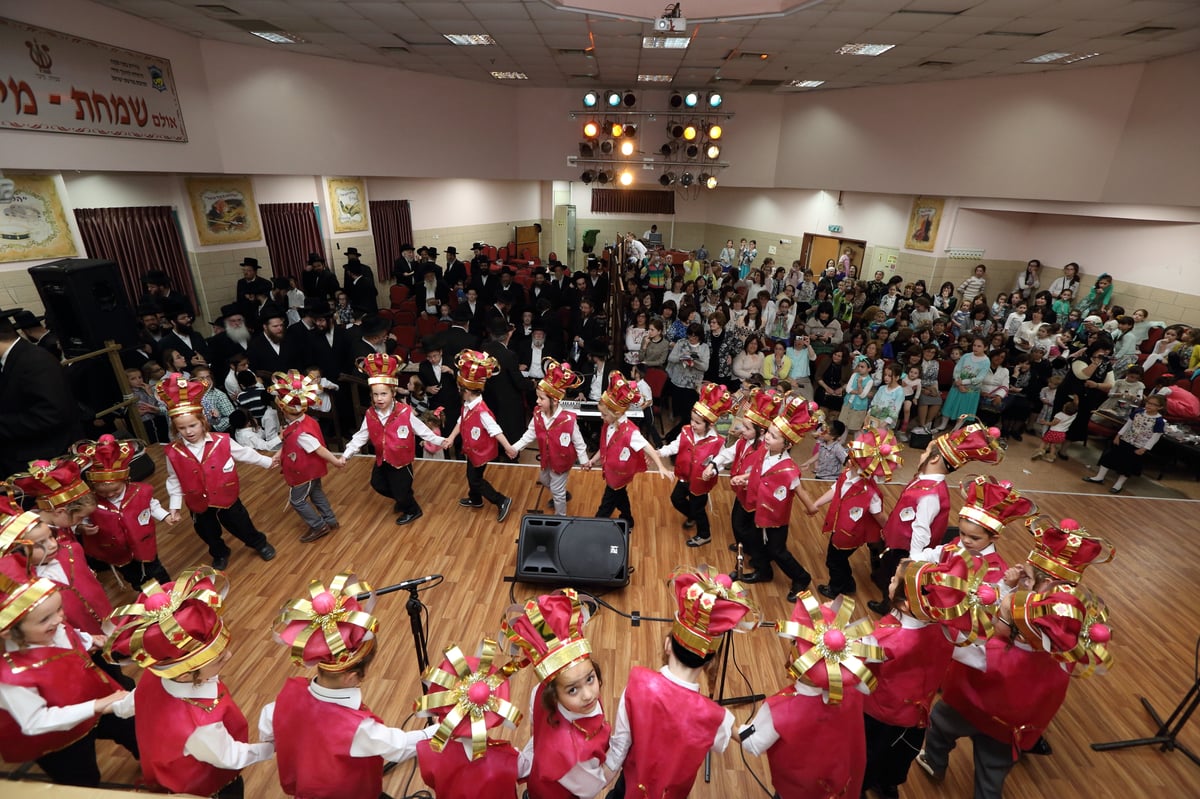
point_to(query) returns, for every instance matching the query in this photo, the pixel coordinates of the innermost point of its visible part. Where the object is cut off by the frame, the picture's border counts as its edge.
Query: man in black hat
(585, 329)
(430, 293)
(541, 288)
(353, 256)
(560, 280)
(459, 337)
(360, 289)
(250, 288)
(266, 348)
(32, 330)
(429, 263)
(297, 339)
(231, 341)
(456, 270)
(280, 287)
(479, 262)
(375, 336)
(182, 337)
(597, 283)
(404, 268)
(531, 353)
(512, 292)
(504, 389)
(158, 290)
(317, 280)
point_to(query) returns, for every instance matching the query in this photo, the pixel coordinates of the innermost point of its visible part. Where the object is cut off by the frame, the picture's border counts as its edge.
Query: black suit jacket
(330, 358)
(297, 346)
(456, 271)
(263, 356)
(39, 418)
(173, 342)
(446, 397)
(221, 348)
(362, 294)
(455, 340)
(504, 391)
(524, 352)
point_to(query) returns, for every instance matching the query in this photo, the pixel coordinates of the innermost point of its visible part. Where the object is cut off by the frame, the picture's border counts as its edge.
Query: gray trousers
(557, 483)
(309, 500)
(993, 759)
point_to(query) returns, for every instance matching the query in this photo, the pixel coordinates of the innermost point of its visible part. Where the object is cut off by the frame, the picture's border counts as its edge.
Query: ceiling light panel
(665, 42)
(278, 37)
(469, 39)
(510, 76)
(860, 48)
(1046, 58)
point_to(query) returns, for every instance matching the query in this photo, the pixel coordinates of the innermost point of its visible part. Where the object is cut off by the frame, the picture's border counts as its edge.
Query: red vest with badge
(849, 522)
(822, 748)
(211, 482)
(85, 603)
(772, 493)
(909, 678)
(126, 531)
(747, 459)
(393, 438)
(692, 457)
(300, 467)
(452, 775)
(554, 442)
(618, 459)
(477, 443)
(897, 533)
(61, 677)
(997, 565)
(672, 728)
(558, 747)
(164, 723)
(312, 747)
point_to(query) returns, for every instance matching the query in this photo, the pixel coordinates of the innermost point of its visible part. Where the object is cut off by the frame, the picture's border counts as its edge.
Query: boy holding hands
(480, 430)
(559, 441)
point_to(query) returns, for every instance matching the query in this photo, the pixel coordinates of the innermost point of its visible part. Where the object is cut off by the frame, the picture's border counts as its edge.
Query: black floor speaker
(85, 303)
(573, 551)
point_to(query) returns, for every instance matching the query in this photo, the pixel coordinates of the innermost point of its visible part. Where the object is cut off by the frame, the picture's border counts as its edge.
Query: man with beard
(317, 281)
(182, 337)
(542, 289)
(158, 290)
(456, 270)
(250, 288)
(328, 344)
(266, 348)
(375, 336)
(431, 293)
(404, 268)
(504, 389)
(229, 342)
(360, 289)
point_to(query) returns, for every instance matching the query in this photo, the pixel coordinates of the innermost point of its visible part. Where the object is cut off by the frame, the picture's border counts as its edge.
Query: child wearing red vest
(193, 736)
(559, 441)
(623, 450)
(919, 518)
(664, 726)
(772, 484)
(812, 731)
(328, 744)
(697, 446)
(122, 530)
(988, 505)
(304, 457)
(54, 701)
(480, 431)
(565, 757)
(390, 426)
(855, 516)
(202, 475)
(461, 761)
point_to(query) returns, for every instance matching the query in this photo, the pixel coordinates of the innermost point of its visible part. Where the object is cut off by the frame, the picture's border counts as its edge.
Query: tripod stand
(415, 607)
(1164, 737)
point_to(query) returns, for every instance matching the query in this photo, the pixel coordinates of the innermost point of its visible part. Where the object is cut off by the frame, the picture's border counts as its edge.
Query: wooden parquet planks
(1157, 568)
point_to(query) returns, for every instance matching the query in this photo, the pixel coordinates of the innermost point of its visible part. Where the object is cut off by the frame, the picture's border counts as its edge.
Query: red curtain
(391, 225)
(292, 232)
(139, 240)
(633, 201)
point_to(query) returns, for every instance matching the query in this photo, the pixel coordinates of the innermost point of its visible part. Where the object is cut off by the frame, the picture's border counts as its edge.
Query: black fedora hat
(316, 258)
(352, 251)
(251, 262)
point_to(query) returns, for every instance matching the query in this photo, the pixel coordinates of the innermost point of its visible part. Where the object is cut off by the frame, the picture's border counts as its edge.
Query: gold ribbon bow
(457, 697)
(342, 588)
(850, 657)
(143, 619)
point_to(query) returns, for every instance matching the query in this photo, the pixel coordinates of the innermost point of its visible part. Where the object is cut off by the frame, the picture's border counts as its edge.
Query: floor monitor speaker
(578, 551)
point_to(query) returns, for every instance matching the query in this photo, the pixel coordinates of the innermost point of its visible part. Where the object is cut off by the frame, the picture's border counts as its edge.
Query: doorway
(816, 251)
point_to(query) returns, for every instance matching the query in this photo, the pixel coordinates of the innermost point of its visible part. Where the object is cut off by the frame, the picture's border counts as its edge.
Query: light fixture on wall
(667, 178)
(626, 177)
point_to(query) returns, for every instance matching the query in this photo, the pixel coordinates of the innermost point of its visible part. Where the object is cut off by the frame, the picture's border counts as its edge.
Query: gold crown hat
(181, 394)
(875, 452)
(797, 418)
(15, 524)
(380, 369)
(763, 406)
(330, 628)
(294, 391)
(970, 441)
(108, 458)
(1066, 549)
(709, 604)
(1091, 655)
(620, 394)
(993, 503)
(474, 369)
(174, 628)
(831, 651)
(547, 632)
(1050, 621)
(470, 695)
(559, 378)
(17, 599)
(55, 483)
(715, 401)
(954, 594)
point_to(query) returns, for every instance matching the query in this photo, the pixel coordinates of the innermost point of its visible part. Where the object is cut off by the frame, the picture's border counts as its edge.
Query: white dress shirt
(237, 451)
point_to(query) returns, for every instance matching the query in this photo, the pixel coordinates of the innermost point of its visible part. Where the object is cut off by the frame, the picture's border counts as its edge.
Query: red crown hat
(953, 593)
(715, 401)
(832, 653)
(764, 406)
(1065, 550)
(108, 460)
(15, 523)
(1091, 656)
(54, 483)
(180, 394)
(970, 442)
(797, 418)
(380, 369)
(174, 628)
(620, 394)
(295, 392)
(559, 378)
(876, 453)
(329, 628)
(17, 599)
(993, 503)
(469, 695)
(1050, 621)
(474, 369)
(547, 631)
(710, 605)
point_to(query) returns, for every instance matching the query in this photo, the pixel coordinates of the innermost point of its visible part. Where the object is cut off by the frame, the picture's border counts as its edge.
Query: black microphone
(407, 585)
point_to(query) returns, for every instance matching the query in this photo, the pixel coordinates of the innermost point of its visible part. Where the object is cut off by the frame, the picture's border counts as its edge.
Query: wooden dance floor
(1149, 587)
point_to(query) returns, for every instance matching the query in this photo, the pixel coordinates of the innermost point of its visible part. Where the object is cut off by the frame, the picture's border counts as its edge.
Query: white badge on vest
(624, 454)
(564, 440)
(908, 514)
(144, 517)
(402, 431)
(855, 514)
(475, 433)
(228, 467)
(781, 493)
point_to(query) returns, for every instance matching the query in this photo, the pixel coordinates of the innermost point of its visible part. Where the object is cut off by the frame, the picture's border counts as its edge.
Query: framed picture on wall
(33, 224)
(224, 210)
(347, 203)
(923, 223)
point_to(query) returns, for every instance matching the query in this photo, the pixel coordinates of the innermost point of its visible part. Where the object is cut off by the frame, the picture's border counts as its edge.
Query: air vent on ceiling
(252, 25)
(936, 64)
(575, 51)
(1018, 34)
(1148, 30)
(764, 83)
(219, 9)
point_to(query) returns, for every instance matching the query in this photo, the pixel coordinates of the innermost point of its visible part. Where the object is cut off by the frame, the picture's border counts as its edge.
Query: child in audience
(637, 376)
(152, 416)
(217, 406)
(1056, 432)
(1047, 396)
(912, 394)
(238, 363)
(829, 454)
(858, 395)
(252, 394)
(480, 431)
(1129, 389)
(324, 386)
(888, 402)
(559, 441)
(694, 449)
(1136, 437)
(247, 432)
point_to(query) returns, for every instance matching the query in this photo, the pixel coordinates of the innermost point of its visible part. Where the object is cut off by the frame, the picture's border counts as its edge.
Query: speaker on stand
(85, 303)
(579, 551)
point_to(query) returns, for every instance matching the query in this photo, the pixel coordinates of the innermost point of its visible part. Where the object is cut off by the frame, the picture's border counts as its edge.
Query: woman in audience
(1099, 297)
(1089, 378)
(686, 366)
(824, 332)
(655, 346)
(830, 391)
(1068, 280)
(639, 325)
(946, 300)
(724, 346)
(969, 373)
(1029, 281)
(749, 361)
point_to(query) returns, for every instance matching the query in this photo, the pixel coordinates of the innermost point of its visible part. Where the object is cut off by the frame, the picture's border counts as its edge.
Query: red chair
(1150, 378)
(439, 327)
(399, 293)
(426, 325)
(1152, 338)
(406, 336)
(945, 374)
(511, 250)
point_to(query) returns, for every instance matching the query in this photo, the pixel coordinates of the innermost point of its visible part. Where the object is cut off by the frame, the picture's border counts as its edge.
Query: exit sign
(835, 228)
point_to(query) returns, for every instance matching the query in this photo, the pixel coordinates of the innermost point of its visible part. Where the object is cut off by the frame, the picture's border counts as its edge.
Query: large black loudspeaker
(573, 551)
(85, 303)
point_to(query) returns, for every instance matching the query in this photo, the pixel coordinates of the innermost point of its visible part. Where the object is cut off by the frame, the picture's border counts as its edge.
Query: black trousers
(478, 488)
(692, 506)
(112, 670)
(882, 574)
(76, 764)
(396, 484)
(776, 551)
(615, 499)
(890, 752)
(841, 576)
(137, 572)
(235, 519)
(746, 534)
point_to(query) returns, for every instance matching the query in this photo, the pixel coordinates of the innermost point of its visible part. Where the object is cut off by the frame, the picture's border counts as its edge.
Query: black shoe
(1040, 747)
(881, 606)
(699, 541)
(1015, 437)
(1093, 479)
(758, 576)
(797, 589)
(688, 524)
(408, 518)
(467, 502)
(221, 562)
(828, 592)
(266, 552)
(733, 547)
(503, 508)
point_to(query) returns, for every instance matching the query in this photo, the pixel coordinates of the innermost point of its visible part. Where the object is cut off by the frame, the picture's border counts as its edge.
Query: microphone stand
(1164, 737)
(414, 606)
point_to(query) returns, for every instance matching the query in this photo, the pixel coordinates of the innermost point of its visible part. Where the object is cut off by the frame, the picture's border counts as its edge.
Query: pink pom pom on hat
(330, 628)
(831, 651)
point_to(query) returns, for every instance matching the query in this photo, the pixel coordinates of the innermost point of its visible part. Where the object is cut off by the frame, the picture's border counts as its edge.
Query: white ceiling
(559, 47)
